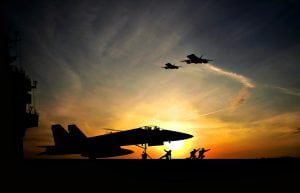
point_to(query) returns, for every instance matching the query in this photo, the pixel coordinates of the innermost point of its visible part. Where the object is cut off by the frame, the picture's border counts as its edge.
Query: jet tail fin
(76, 134)
(60, 135)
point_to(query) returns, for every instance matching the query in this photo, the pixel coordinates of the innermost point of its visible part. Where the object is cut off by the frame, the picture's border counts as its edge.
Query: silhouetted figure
(193, 153)
(167, 155)
(145, 155)
(201, 153)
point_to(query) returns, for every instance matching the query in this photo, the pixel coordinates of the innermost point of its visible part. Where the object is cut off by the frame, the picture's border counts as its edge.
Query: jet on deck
(74, 141)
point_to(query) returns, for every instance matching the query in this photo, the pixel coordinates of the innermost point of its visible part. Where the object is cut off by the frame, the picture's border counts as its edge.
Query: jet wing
(107, 152)
(75, 142)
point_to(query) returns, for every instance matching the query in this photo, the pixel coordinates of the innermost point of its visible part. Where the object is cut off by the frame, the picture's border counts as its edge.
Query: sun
(174, 145)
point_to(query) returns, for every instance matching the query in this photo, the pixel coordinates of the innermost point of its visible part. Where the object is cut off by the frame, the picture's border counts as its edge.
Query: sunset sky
(98, 65)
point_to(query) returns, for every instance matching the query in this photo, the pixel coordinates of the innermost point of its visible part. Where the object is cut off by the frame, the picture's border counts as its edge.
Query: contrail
(297, 131)
(240, 78)
(213, 112)
(243, 94)
(284, 90)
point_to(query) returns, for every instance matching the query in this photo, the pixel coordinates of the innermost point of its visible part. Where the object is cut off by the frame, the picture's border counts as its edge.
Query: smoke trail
(297, 131)
(284, 90)
(240, 78)
(243, 94)
(213, 112)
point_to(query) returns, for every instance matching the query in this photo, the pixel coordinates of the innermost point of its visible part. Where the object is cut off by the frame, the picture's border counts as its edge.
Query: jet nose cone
(187, 136)
(181, 136)
(175, 135)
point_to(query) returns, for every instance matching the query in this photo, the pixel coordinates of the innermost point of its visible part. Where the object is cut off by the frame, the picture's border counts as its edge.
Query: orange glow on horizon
(228, 133)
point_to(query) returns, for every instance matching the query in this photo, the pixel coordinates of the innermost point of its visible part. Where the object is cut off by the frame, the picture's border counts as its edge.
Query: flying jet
(192, 58)
(170, 66)
(74, 141)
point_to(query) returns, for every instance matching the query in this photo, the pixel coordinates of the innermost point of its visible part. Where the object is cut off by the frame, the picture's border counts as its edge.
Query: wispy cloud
(283, 90)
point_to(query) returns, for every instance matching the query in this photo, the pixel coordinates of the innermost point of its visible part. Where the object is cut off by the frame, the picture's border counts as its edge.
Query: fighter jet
(195, 59)
(74, 141)
(170, 66)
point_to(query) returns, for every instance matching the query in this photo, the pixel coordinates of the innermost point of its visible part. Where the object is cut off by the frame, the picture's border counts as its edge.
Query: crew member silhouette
(145, 155)
(193, 153)
(167, 154)
(201, 153)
